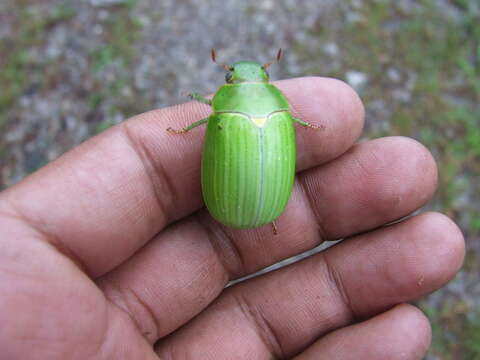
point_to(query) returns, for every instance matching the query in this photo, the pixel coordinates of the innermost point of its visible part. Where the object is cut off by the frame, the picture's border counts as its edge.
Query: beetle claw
(174, 131)
(274, 228)
(317, 127)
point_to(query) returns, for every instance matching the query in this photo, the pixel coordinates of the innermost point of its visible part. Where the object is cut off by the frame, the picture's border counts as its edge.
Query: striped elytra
(247, 169)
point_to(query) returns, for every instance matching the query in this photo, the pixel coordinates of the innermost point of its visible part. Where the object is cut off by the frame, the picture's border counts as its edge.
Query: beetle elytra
(248, 160)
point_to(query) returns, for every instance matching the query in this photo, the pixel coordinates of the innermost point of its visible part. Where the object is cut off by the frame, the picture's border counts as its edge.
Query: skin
(106, 253)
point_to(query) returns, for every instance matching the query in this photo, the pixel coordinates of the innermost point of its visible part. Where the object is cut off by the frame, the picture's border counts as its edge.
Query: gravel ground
(86, 65)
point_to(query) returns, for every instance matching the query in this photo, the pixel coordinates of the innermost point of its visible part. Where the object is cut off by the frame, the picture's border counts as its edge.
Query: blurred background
(71, 69)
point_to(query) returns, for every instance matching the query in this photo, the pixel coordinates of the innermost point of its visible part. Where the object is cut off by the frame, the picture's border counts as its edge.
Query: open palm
(106, 253)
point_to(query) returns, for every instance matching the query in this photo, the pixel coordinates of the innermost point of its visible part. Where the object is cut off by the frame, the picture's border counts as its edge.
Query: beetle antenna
(214, 59)
(279, 56)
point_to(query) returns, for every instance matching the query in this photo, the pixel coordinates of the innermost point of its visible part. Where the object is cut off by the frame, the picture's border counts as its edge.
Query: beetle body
(248, 160)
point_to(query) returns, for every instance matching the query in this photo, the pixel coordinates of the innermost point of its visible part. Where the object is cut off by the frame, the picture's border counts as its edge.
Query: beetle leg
(189, 127)
(306, 124)
(198, 97)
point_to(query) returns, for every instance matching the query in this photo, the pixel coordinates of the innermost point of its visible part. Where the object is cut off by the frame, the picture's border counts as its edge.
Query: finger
(103, 200)
(189, 263)
(401, 333)
(281, 313)
(49, 309)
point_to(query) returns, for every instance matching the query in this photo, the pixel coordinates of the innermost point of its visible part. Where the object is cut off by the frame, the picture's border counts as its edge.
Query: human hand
(105, 253)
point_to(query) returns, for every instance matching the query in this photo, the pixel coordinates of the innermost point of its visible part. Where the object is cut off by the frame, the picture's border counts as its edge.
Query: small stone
(394, 75)
(402, 95)
(356, 79)
(97, 29)
(103, 14)
(331, 49)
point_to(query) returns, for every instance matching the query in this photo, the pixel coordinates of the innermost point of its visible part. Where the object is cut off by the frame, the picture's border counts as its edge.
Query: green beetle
(248, 162)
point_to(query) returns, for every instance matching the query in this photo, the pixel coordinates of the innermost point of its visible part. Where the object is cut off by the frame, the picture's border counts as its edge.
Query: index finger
(106, 198)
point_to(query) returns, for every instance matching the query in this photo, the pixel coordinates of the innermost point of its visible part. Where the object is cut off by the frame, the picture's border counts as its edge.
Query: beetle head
(246, 71)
